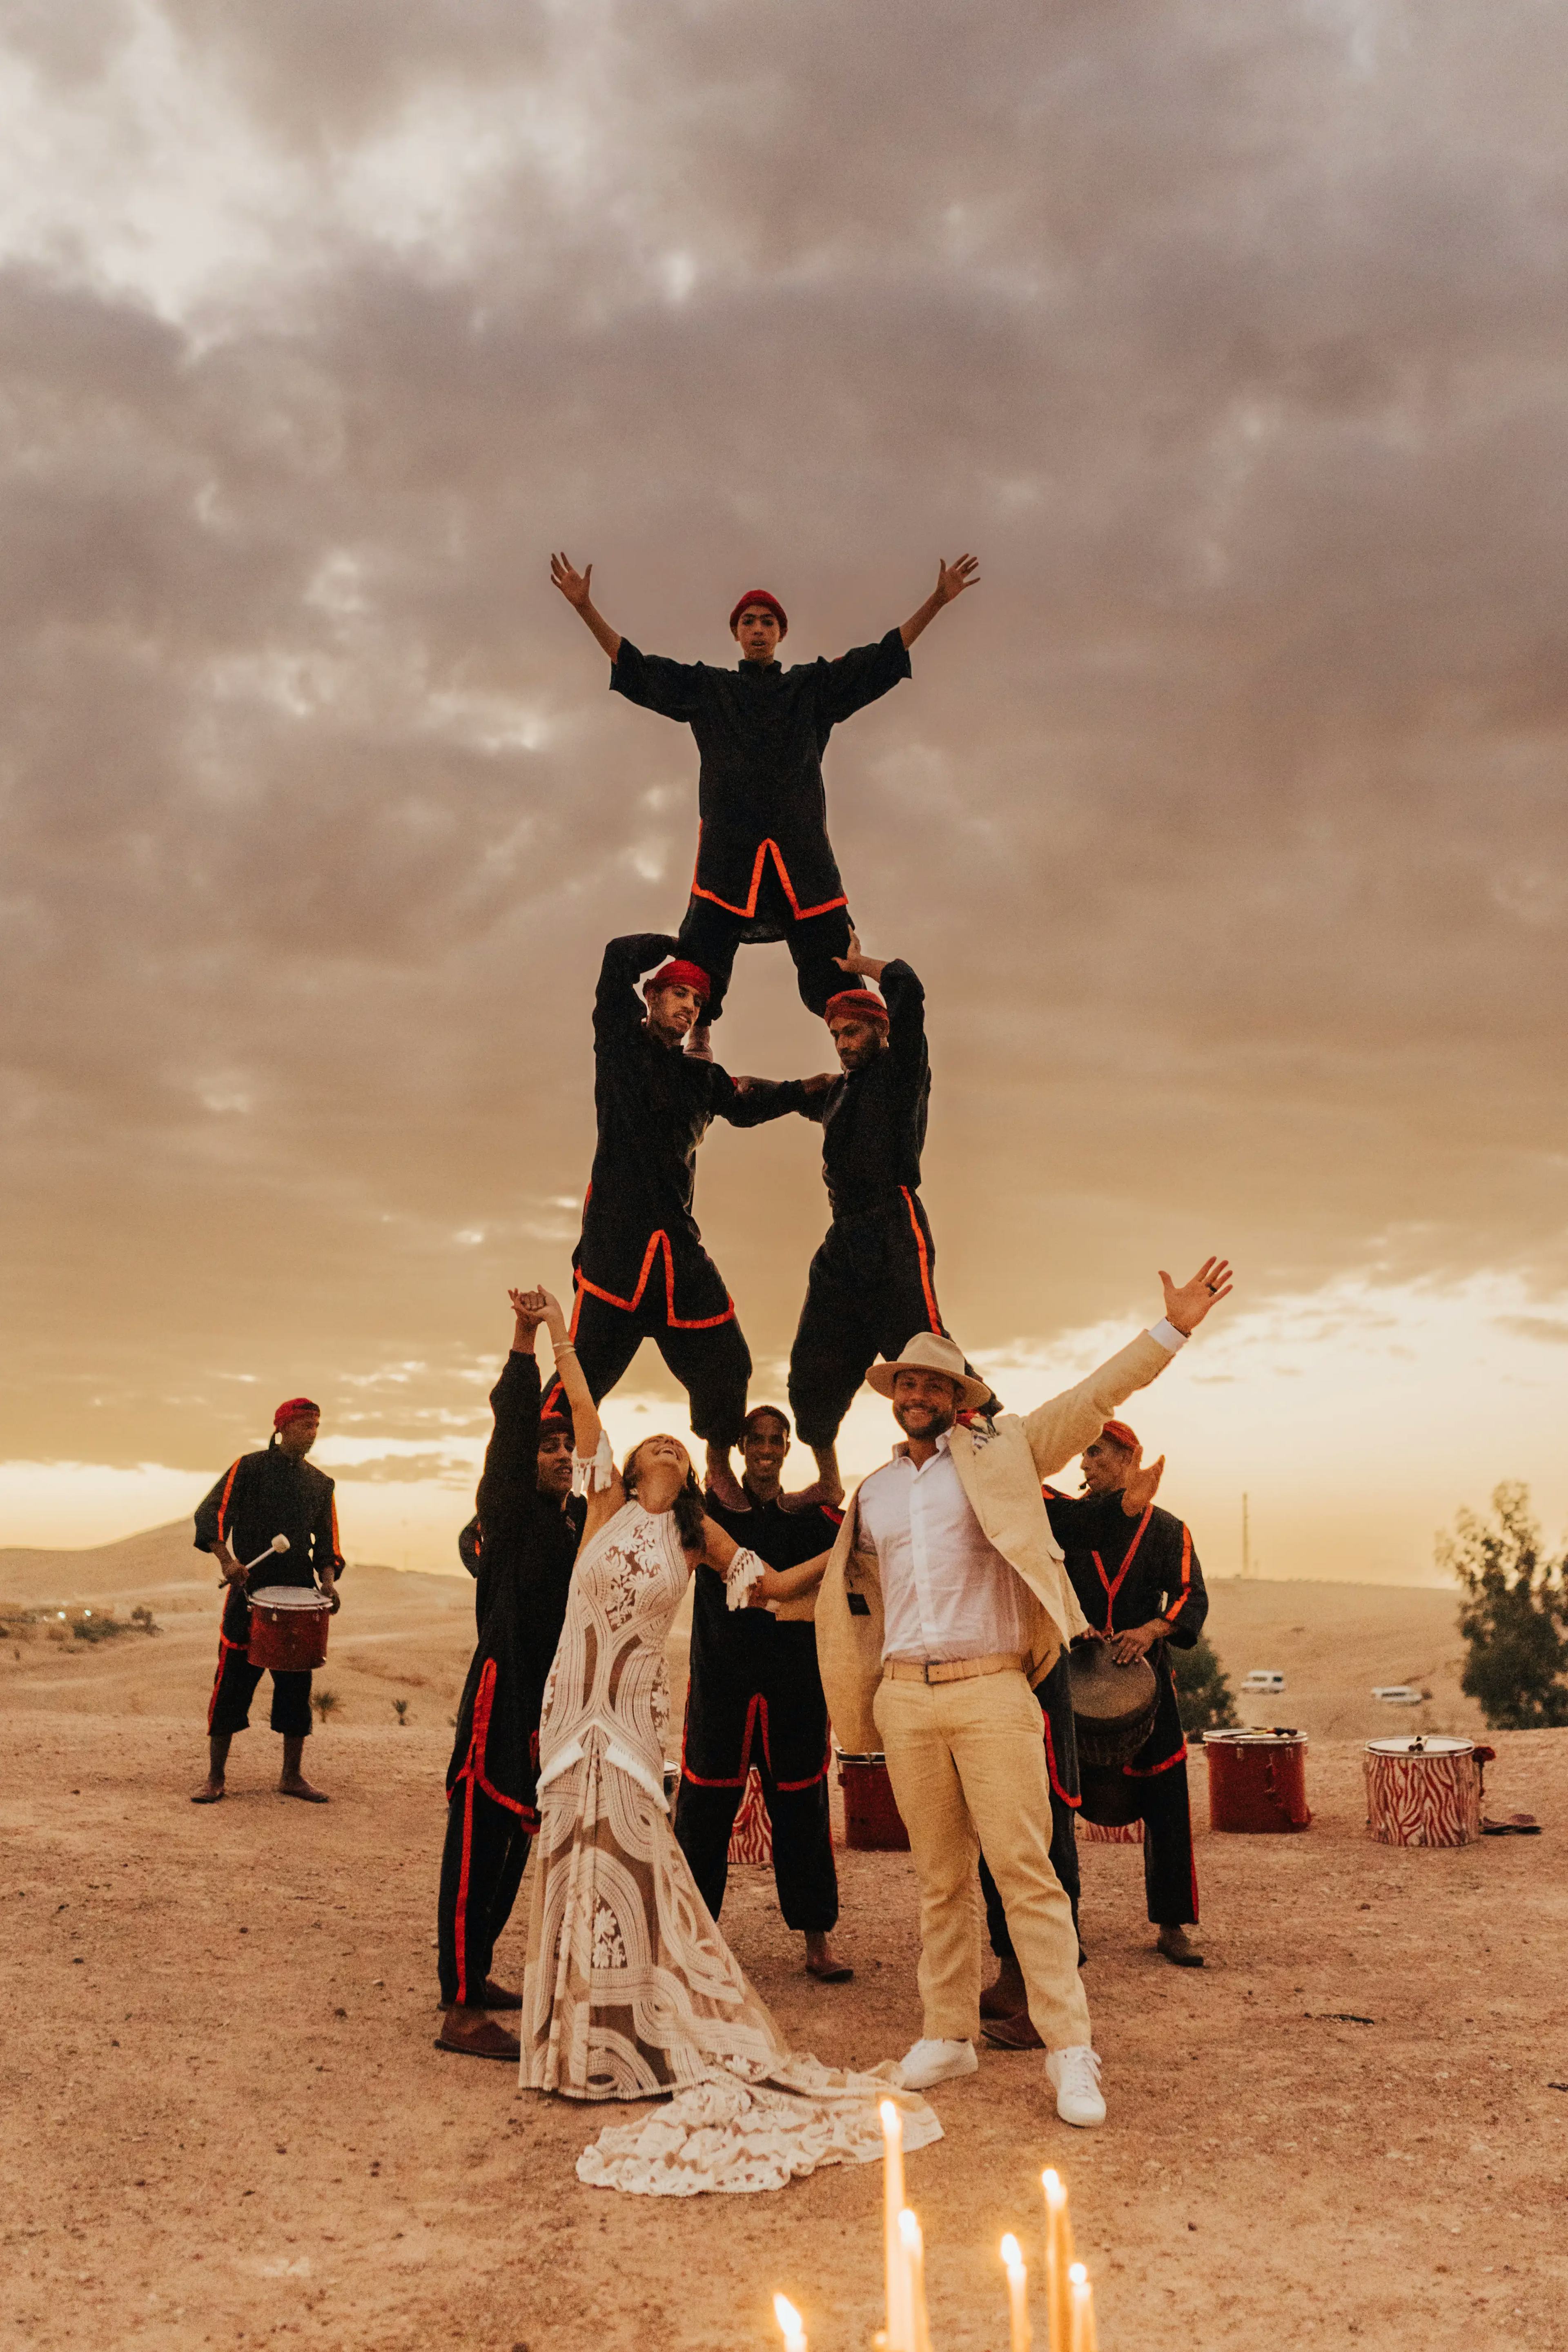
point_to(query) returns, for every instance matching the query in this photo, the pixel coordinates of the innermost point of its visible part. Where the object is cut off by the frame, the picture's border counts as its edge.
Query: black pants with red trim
(709, 935)
(872, 1286)
(235, 1683)
(482, 1864)
(761, 1703)
(1054, 1694)
(713, 1364)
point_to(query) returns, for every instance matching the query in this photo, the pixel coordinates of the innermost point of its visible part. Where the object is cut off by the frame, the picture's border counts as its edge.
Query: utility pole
(1245, 1541)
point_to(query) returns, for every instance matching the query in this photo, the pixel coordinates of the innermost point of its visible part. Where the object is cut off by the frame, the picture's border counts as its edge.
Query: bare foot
(296, 1785)
(722, 1481)
(821, 1961)
(209, 1792)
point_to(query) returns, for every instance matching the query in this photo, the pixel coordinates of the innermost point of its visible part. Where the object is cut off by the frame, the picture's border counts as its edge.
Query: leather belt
(952, 1670)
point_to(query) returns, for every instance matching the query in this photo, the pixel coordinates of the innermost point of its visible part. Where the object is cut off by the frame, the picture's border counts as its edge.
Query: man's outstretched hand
(1186, 1304)
(1142, 1484)
(952, 579)
(573, 585)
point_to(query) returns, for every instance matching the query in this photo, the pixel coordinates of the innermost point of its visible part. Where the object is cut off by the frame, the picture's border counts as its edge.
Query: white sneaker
(937, 2062)
(1075, 2076)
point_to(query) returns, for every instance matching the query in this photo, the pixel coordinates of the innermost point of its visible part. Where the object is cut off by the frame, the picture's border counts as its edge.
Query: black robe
(760, 732)
(1125, 1573)
(527, 1545)
(654, 1104)
(268, 1493)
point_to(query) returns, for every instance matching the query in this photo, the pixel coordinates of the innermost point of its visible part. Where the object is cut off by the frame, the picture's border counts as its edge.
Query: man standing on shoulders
(944, 1602)
(525, 1538)
(272, 1493)
(755, 1697)
(640, 1268)
(765, 867)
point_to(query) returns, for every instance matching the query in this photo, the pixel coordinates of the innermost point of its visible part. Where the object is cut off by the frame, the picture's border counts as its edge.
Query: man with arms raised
(765, 868)
(755, 1697)
(641, 1271)
(944, 1601)
(524, 1540)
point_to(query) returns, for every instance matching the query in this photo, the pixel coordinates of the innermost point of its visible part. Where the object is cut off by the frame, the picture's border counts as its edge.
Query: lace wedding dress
(631, 1990)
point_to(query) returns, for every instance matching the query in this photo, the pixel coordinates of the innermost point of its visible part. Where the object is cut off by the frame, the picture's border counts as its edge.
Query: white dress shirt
(947, 1592)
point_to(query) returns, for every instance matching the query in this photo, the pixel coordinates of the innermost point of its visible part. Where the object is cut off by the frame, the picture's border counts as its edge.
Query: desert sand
(228, 2123)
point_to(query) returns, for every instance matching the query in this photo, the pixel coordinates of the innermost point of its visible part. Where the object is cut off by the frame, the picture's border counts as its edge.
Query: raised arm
(905, 1000)
(574, 585)
(1067, 1423)
(585, 1424)
(509, 1483)
(952, 579)
(619, 1009)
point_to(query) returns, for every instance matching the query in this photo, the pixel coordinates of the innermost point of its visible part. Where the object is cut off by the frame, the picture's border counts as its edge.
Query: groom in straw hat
(944, 1601)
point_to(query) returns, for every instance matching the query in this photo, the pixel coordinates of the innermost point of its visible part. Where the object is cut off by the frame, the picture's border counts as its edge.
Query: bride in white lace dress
(631, 1991)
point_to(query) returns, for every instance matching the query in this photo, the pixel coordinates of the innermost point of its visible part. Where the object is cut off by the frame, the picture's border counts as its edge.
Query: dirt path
(227, 2125)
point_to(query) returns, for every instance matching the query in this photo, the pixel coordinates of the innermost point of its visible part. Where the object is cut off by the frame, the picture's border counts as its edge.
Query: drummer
(1139, 1583)
(272, 1493)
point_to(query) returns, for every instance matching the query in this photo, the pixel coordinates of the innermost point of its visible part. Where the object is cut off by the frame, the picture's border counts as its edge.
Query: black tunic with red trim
(654, 1103)
(268, 1493)
(754, 1682)
(527, 1545)
(1125, 1573)
(760, 732)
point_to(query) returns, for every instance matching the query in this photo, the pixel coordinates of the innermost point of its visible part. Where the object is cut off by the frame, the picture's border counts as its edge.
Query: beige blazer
(1001, 1464)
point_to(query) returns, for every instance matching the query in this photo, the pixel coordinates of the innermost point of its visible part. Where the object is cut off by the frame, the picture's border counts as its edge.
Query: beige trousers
(968, 1767)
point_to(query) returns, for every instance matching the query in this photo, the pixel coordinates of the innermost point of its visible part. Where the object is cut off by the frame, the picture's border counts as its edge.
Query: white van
(1400, 1693)
(1263, 1678)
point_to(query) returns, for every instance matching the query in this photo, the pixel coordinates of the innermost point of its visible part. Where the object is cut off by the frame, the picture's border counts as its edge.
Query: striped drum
(1425, 1790)
(752, 1833)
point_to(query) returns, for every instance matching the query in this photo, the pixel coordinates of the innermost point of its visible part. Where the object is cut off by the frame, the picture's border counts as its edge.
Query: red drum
(288, 1628)
(752, 1832)
(872, 1821)
(1425, 1790)
(1257, 1781)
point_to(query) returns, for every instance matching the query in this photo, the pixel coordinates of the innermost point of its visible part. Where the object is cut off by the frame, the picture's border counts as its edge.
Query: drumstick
(278, 1543)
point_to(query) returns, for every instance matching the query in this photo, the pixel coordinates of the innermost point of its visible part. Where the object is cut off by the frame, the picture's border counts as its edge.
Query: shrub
(1513, 1615)
(1203, 1691)
(326, 1703)
(400, 1709)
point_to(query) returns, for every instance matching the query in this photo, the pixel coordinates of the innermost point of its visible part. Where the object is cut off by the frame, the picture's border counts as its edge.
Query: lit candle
(915, 2270)
(1058, 2256)
(1083, 2309)
(900, 2325)
(1017, 2291)
(788, 2319)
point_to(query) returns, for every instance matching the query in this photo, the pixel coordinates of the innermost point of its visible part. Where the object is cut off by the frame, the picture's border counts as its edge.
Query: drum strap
(1113, 1590)
(952, 1670)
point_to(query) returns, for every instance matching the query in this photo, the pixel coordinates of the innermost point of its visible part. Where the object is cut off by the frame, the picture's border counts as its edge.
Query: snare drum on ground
(288, 1628)
(1425, 1790)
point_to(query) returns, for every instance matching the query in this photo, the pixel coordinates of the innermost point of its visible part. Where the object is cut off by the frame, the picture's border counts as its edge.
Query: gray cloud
(1225, 821)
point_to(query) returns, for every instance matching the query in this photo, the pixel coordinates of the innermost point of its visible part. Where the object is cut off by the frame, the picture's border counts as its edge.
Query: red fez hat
(678, 973)
(761, 597)
(296, 1409)
(1120, 1434)
(856, 1004)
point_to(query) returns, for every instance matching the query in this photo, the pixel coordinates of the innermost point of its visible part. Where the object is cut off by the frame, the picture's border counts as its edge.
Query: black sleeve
(509, 1484)
(214, 1512)
(765, 1099)
(324, 1549)
(1186, 1595)
(672, 688)
(618, 1008)
(906, 1002)
(861, 677)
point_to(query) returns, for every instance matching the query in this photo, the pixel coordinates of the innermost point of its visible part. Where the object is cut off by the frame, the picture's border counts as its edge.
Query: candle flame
(909, 2232)
(889, 2115)
(1051, 2182)
(1078, 2274)
(788, 2319)
(1013, 2255)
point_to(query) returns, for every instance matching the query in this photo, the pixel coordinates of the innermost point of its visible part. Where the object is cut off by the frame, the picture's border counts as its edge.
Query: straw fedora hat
(930, 1351)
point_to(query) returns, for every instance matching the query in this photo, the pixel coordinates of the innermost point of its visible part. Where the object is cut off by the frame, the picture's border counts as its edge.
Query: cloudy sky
(1224, 820)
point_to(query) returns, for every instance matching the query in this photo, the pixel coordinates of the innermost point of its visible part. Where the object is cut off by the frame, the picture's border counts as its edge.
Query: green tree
(326, 1703)
(1513, 1615)
(1203, 1691)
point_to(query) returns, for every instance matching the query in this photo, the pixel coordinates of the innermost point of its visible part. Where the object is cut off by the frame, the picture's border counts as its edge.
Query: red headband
(856, 1004)
(1120, 1434)
(761, 597)
(295, 1409)
(678, 973)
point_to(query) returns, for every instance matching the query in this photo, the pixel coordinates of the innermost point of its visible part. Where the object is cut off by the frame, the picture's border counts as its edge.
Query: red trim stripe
(924, 1257)
(800, 913)
(659, 1239)
(1174, 1611)
(1065, 1794)
(1113, 1590)
(223, 1505)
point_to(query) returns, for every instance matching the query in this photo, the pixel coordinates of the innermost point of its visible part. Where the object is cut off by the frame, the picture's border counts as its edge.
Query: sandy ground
(226, 2122)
